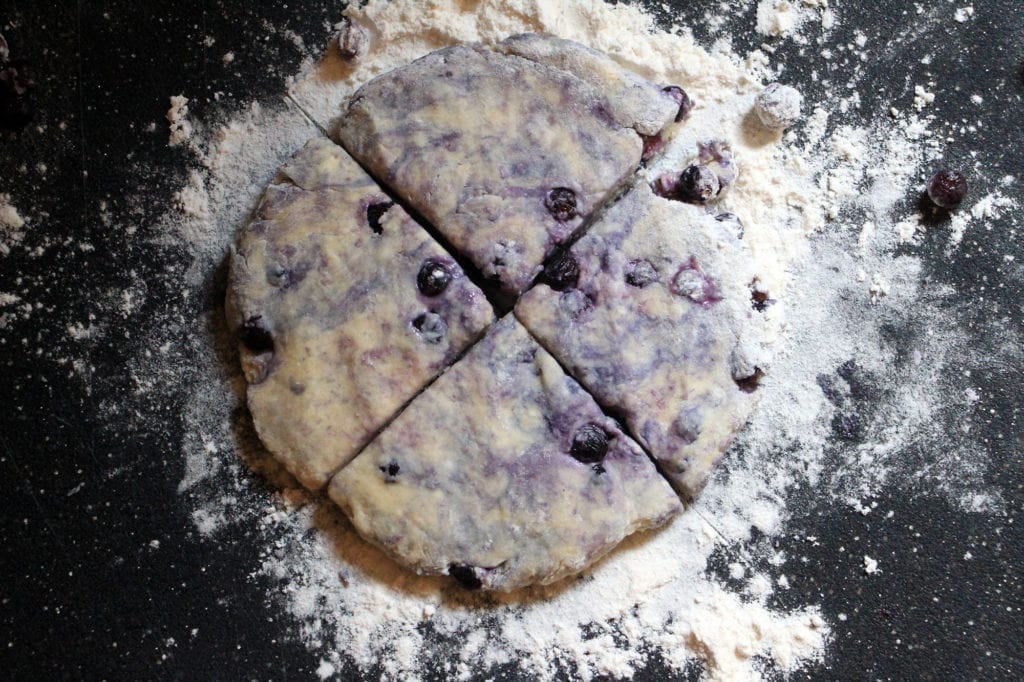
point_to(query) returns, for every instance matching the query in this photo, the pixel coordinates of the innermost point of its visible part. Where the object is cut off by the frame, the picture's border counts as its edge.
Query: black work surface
(82, 595)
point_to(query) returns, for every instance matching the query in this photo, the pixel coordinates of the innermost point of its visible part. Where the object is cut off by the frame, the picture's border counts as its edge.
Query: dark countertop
(82, 597)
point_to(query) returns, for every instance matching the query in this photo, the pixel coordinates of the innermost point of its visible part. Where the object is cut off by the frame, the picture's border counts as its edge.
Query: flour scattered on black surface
(875, 389)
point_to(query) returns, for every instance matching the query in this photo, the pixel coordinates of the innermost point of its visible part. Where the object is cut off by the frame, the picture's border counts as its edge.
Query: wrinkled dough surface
(475, 478)
(475, 140)
(338, 301)
(659, 328)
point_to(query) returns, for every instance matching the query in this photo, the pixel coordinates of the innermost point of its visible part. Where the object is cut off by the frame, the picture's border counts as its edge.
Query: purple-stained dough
(504, 473)
(660, 326)
(334, 331)
(505, 155)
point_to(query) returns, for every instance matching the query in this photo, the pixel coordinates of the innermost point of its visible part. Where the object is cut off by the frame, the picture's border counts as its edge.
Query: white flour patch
(822, 212)
(11, 224)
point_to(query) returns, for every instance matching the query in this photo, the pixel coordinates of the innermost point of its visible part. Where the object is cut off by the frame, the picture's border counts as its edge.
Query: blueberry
(652, 145)
(431, 327)
(640, 273)
(285, 278)
(589, 444)
(16, 83)
(390, 471)
(694, 285)
(465, 576)
(749, 384)
(778, 106)
(697, 184)
(561, 203)
(688, 424)
(561, 272)
(947, 188)
(374, 212)
(255, 336)
(681, 98)
(433, 278)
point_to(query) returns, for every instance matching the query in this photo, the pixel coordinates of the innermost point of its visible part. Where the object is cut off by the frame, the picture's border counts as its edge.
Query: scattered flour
(180, 127)
(786, 19)
(819, 204)
(11, 223)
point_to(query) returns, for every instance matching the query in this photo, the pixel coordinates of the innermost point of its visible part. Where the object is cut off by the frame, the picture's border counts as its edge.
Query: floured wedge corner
(349, 602)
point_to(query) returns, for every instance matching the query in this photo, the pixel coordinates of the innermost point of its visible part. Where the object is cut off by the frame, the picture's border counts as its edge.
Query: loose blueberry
(465, 576)
(351, 38)
(681, 98)
(697, 185)
(255, 336)
(431, 327)
(561, 203)
(640, 273)
(947, 188)
(589, 444)
(561, 272)
(778, 106)
(433, 278)
(374, 212)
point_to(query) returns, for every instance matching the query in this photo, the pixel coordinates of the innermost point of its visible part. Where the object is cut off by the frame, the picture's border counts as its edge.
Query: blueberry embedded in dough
(375, 212)
(257, 352)
(589, 444)
(335, 334)
(506, 151)
(659, 327)
(640, 273)
(561, 204)
(510, 474)
(433, 277)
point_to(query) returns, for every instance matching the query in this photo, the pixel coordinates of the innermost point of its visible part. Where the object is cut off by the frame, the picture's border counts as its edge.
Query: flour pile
(823, 207)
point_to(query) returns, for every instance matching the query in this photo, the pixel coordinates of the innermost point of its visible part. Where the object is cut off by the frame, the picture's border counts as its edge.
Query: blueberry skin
(697, 185)
(947, 188)
(589, 444)
(433, 278)
(561, 272)
(561, 203)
